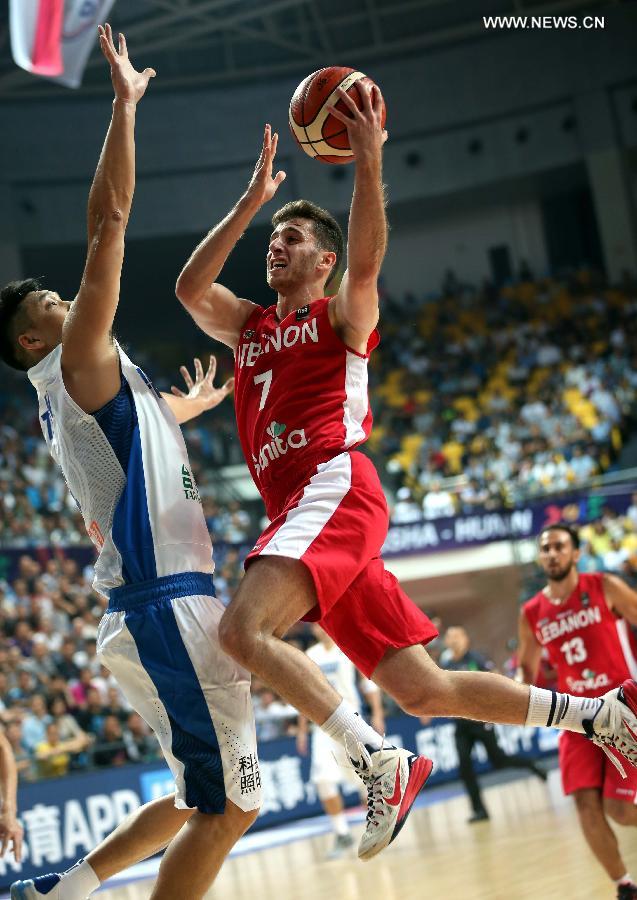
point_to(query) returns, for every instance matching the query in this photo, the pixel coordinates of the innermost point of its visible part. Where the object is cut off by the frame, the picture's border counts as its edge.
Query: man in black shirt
(460, 657)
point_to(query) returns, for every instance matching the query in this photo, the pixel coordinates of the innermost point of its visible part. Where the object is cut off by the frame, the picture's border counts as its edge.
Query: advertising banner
(461, 532)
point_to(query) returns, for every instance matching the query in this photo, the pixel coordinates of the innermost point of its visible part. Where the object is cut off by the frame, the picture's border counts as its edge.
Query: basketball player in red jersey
(302, 410)
(584, 623)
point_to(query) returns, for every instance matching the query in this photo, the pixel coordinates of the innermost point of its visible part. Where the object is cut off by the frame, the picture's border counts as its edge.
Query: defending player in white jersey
(329, 767)
(124, 459)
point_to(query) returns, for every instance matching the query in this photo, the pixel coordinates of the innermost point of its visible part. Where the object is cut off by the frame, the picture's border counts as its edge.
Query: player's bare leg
(142, 834)
(275, 593)
(599, 835)
(207, 840)
(423, 689)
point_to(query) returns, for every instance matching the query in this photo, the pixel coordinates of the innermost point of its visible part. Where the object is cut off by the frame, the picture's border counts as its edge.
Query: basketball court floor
(531, 849)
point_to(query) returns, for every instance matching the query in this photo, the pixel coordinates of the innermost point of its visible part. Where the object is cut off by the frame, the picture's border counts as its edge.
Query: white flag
(54, 38)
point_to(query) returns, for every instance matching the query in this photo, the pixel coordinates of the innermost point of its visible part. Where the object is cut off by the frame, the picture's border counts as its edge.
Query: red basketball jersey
(592, 649)
(300, 397)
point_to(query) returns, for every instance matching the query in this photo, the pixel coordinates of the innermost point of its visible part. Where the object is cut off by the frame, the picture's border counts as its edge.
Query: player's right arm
(89, 362)
(529, 651)
(215, 308)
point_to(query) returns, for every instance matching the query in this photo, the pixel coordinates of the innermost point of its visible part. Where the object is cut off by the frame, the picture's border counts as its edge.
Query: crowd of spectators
(484, 398)
(61, 709)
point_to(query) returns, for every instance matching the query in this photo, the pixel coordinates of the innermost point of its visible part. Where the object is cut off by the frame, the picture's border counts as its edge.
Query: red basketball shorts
(336, 524)
(585, 765)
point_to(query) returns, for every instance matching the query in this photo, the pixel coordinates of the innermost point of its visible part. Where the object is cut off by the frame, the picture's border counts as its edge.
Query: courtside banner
(53, 38)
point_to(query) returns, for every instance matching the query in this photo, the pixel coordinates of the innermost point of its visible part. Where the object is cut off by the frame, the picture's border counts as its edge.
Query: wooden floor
(531, 848)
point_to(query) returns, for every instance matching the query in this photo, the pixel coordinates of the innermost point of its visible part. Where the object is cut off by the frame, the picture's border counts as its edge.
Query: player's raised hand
(202, 390)
(263, 185)
(129, 84)
(364, 126)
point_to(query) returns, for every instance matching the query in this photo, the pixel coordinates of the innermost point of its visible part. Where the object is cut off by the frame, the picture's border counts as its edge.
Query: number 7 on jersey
(266, 380)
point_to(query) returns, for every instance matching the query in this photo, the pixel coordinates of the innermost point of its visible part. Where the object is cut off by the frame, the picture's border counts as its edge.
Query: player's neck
(559, 591)
(298, 298)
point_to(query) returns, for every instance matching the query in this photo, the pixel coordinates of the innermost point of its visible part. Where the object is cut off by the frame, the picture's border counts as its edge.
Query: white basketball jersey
(340, 672)
(145, 522)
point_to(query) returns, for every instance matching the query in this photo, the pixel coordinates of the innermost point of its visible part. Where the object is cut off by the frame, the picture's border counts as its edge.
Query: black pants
(469, 733)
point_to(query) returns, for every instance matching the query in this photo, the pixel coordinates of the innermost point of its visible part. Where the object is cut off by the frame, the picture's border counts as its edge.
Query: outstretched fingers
(186, 376)
(199, 376)
(212, 369)
(107, 46)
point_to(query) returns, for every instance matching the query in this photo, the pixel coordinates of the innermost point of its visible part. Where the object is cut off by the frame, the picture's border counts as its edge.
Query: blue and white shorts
(160, 640)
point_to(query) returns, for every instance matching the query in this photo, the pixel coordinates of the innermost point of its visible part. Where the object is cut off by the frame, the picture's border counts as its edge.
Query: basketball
(316, 131)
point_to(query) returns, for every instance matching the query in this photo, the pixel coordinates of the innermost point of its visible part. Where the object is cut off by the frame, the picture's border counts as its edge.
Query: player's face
(292, 255)
(47, 312)
(557, 556)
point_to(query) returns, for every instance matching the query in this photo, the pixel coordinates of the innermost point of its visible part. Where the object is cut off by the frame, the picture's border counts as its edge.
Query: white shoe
(393, 779)
(615, 724)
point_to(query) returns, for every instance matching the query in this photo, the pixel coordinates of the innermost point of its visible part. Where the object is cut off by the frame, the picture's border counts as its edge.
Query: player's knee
(246, 819)
(620, 812)
(425, 697)
(239, 820)
(416, 701)
(236, 639)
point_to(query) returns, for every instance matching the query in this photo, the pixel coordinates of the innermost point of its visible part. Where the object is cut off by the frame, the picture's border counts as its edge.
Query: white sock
(625, 879)
(553, 710)
(80, 881)
(339, 824)
(345, 720)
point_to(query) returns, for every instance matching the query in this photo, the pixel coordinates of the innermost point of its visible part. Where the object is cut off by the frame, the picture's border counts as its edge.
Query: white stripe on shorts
(321, 498)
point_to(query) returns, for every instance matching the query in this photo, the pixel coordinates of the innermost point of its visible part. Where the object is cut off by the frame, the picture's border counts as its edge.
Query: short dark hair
(563, 526)
(13, 319)
(326, 229)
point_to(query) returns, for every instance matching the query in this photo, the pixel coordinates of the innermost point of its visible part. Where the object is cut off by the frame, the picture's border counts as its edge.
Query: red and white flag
(54, 38)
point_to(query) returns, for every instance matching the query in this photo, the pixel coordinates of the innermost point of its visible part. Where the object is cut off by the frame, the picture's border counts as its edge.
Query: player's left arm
(10, 828)
(620, 598)
(201, 396)
(354, 310)
(90, 364)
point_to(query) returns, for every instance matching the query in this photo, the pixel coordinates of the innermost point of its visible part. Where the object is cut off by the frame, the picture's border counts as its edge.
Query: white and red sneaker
(393, 778)
(614, 725)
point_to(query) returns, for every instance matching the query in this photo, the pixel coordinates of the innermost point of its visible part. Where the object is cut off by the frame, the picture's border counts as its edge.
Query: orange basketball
(315, 130)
